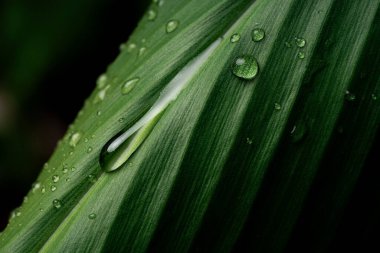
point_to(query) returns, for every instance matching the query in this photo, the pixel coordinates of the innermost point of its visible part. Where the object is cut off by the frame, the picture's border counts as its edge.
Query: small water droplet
(121, 120)
(235, 38)
(277, 106)
(131, 47)
(350, 96)
(74, 139)
(92, 216)
(26, 199)
(101, 95)
(373, 96)
(151, 14)
(53, 188)
(67, 179)
(85, 140)
(36, 186)
(142, 51)
(71, 153)
(129, 85)
(298, 131)
(89, 149)
(65, 170)
(57, 203)
(171, 26)
(122, 46)
(246, 67)
(91, 178)
(300, 42)
(98, 113)
(249, 141)
(43, 189)
(287, 44)
(258, 34)
(72, 169)
(101, 81)
(159, 2)
(18, 213)
(55, 178)
(41, 210)
(301, 55)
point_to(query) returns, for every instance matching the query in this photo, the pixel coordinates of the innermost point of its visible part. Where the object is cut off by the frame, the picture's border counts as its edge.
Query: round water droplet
(131, 47)
(246, 67)
(92, 216)
(91, 178)
(350, 96)
(74, 139)
(300, 42)
(101, 81)
(53, 188)
(89, 149)
(301, 55)
(171, 26)
(55, 178)
(277, 106)
(142, 51)
(258, 34)
(57, 204)
(129, 85)
(373, 96)
(235, 38)
(98, 113)
(298, 131)
(151, 14)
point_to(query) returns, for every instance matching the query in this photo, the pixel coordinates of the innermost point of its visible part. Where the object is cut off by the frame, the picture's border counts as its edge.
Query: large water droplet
(246, 67)
(57, 204)
(298, 131)
(151, 14)
(101, 81)
(129, 85)
(300, 42)
(171, 26)
(258, 34)
(235, 38)
(74, 139)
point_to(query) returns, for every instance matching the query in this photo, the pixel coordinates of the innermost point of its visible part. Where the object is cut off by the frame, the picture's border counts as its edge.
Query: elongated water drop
(74, 139)
(258, 34)
(117, 151)
(171, 26)
(298, 131)
(235, 38)
(101, 81)
(246, 67)
(129, 85)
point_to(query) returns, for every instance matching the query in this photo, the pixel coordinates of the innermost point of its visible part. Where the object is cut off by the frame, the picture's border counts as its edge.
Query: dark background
(51, 53)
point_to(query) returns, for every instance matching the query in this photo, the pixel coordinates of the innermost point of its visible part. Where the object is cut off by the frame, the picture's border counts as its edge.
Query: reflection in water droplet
(258, 34)
(300, 42)
(92, 216)
(246, 67)
(57, 204)
(235, 38)
(298, 131)
(74, 139)
(129, 85)
(171, 26)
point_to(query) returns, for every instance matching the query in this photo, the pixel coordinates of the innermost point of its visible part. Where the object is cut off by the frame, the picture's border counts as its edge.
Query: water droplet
(350, 96)
(151, 14)
(55, 178)
(298, 131)
(288, 45)
(258, 34)
(101, 81)
(121, 120)
(101, 95)
(300, 42)
(171, 26)
(92, 216)
(98, 113)
(91, 178)
(53, 188)
(131, 47)
(245, 67)
(89, 149)
(249, 141)
(72, 169)
(142, 51)
(122, 46)
(67, 179)
(18, 213)
(373, 96)
(36, 186)
(129, 85)
(71, 153)
(277, 106)
(235, 38)
(26, 199)
(74, 139)
(41, 210)
(158, 2)
(85, 140)
(43, 190)
(65, 170)
(301, 55)
(57, 203)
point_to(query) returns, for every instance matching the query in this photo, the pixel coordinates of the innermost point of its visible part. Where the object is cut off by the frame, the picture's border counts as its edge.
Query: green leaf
(230, 163)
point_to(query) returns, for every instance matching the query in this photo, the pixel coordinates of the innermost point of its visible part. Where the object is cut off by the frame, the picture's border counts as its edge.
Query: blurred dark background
(51, 53)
